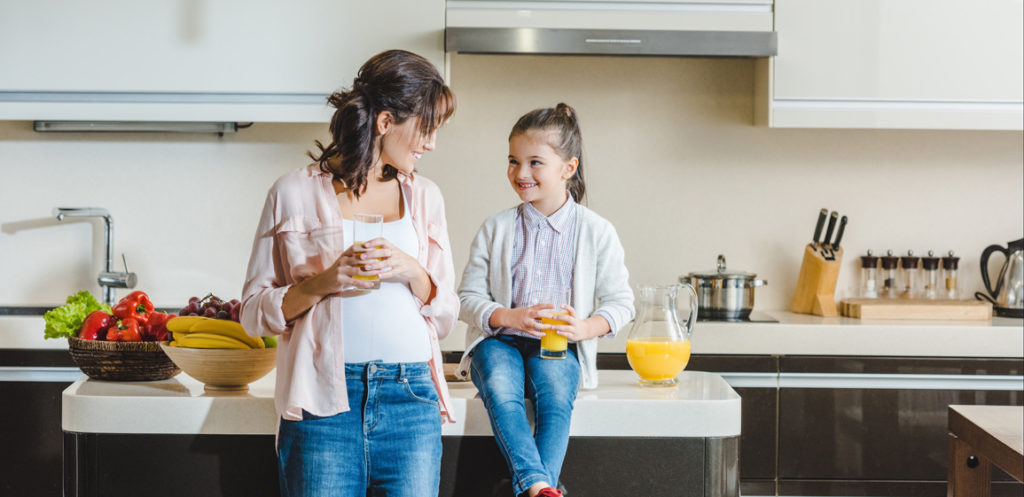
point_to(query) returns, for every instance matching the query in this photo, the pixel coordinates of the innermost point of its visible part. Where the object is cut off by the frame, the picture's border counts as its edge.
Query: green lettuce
(64, 321)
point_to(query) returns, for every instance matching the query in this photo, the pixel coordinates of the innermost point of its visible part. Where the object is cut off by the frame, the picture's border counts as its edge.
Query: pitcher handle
(693, 309)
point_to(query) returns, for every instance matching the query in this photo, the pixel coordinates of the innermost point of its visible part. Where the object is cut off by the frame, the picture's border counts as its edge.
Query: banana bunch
(200, 332)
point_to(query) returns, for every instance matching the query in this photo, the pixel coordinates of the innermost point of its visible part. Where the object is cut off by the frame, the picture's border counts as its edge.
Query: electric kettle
(1006, 296)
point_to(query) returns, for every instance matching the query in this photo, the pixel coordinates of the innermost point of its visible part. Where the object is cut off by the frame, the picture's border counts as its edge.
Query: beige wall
(672, 159)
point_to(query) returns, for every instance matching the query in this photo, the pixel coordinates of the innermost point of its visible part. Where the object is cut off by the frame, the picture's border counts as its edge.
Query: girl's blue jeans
(508, 369)
(387, 444)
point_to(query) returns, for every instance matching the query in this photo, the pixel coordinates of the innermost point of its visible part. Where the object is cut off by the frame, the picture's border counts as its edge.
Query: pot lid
(722, 272)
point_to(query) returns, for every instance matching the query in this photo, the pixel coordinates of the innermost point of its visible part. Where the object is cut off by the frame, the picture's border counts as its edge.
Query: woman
(360, 386)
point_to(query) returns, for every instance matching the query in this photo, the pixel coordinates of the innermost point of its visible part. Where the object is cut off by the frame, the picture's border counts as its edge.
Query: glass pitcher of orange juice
(658, 346)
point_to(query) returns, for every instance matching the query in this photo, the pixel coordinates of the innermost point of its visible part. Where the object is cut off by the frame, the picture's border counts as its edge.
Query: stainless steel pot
(723, 295)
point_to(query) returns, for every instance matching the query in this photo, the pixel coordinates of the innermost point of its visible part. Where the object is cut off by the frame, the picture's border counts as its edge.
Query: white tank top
(385, 324)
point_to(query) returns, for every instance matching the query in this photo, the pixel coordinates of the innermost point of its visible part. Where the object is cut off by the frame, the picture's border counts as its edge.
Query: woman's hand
(336, 278)
(526, 319)
(341, 274)
(392, 264)
(577, 329)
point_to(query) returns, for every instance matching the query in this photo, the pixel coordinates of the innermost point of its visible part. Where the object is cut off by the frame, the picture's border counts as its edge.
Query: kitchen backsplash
(671, 158)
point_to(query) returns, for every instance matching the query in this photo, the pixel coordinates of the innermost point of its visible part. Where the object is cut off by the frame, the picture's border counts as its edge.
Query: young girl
(360, 389)
(546, 255)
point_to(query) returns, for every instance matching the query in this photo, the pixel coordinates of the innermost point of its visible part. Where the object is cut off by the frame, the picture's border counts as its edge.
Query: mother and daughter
(360, 391)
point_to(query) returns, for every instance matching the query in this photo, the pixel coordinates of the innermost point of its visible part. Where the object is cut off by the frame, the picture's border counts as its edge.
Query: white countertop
(804, 334)
(793, 334)
(701, 405)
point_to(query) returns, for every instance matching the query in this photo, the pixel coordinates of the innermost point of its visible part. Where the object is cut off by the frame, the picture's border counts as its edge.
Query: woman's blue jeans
(387, 444)
(508, 369)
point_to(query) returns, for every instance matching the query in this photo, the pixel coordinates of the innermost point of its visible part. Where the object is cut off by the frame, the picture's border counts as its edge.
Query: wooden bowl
(121, 361)
(223, 369)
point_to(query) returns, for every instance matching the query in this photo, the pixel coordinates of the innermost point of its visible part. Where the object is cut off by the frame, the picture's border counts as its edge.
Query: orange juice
(372, 277)
(553, 345)
(657, 359)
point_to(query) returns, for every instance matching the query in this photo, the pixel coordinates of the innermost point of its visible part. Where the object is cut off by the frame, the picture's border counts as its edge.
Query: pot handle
(758, 282)
(693, 309)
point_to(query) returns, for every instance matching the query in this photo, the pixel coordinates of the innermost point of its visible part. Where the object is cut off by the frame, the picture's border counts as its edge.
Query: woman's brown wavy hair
(400, 82)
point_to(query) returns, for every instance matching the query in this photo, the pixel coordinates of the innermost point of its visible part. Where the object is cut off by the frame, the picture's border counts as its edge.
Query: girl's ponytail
(563, 120)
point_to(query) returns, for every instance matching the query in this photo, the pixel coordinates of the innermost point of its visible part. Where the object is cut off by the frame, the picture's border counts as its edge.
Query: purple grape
(209, 312)
(223, 315)
(235, 302)
(193, 299)
(184, 311)
(226, 306)
(193, 308)
(234, 313)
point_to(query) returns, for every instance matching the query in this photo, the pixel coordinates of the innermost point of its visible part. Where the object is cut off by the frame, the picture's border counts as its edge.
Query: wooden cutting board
(953, 310)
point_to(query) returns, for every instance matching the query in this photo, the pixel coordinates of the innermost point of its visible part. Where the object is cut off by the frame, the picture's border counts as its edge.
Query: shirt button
(542, 243)
(373, 368)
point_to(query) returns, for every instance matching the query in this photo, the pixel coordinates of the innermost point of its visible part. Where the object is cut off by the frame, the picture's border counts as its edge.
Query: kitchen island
(171, 437)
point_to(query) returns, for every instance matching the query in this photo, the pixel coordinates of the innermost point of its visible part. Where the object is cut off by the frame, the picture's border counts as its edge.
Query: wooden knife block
(816, 285)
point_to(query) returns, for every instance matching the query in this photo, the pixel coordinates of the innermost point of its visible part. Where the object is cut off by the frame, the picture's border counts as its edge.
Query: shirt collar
(560, 221)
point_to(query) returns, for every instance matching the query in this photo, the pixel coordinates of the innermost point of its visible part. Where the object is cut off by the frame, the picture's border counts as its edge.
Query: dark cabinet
(876, 425)
(31, 383)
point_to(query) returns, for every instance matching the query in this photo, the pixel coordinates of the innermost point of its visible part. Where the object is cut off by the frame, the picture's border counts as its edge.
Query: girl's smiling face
(537, 173)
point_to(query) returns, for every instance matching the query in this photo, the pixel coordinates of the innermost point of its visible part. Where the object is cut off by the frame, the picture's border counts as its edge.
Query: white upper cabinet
(705, 15)
(924, 64)
(198, 60)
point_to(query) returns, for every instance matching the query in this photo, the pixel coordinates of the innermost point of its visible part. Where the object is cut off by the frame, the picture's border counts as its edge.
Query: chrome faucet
(108, 279)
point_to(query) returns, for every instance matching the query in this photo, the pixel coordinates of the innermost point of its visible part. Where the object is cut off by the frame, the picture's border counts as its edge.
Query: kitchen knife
(821, 224)
(831, 226)
(839, 234)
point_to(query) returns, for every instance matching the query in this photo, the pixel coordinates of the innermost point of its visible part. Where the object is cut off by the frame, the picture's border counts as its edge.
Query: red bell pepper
(155, 328)
(127, 330)
(135, 305)
(95, 323)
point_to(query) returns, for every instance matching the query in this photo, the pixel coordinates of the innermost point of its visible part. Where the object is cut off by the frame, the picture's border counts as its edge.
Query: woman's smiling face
(404, 144)
(537, 173)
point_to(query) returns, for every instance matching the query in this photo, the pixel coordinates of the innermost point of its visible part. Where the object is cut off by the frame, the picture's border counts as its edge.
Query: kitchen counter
(224, 442)
(793, 334)
(701, 405)
(804, 334)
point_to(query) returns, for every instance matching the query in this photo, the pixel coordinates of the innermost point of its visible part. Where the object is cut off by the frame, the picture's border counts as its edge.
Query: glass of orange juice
(366, 227)
(553, 345)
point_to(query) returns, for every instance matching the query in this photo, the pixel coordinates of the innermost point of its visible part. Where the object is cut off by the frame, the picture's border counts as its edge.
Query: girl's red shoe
(549, 492)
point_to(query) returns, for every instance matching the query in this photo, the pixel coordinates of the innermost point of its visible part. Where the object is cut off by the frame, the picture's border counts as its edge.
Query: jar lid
(722, 272)
(951, 261)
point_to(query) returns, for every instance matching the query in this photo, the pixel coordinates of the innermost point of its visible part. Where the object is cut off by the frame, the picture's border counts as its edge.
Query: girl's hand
(390, 262)
(526, 319)
(576, 330)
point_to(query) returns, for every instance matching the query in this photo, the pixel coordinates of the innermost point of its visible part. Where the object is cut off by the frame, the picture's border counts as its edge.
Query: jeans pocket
(421, 390)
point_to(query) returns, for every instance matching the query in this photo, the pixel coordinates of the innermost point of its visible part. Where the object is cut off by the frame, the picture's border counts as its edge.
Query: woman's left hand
(576, 330)
(400, 266)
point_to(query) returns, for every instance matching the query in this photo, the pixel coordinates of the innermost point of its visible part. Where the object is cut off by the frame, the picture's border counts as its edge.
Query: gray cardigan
(600, 281)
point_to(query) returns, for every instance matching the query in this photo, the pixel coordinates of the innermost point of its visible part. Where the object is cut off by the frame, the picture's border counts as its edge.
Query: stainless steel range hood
(666, 28)
(555, 41)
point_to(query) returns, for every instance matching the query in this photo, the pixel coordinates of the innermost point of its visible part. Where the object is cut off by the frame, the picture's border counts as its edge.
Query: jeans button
(373, 368)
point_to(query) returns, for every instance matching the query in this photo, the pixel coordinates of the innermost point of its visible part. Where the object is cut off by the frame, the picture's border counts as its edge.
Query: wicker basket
(121, 361)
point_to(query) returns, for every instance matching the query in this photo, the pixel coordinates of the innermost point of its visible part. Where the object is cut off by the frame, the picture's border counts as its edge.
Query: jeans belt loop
(401, 372)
